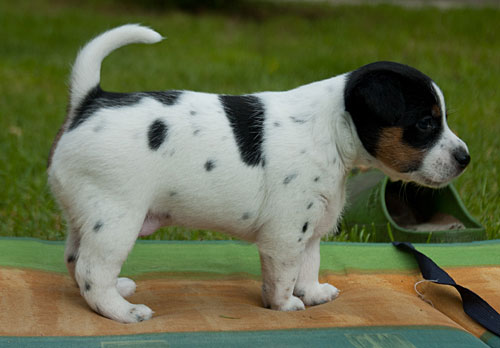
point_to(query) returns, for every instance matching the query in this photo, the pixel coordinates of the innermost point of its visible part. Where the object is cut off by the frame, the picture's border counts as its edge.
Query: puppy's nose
(462, 157)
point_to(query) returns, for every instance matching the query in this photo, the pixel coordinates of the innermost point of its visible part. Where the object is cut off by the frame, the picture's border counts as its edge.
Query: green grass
(271, 48)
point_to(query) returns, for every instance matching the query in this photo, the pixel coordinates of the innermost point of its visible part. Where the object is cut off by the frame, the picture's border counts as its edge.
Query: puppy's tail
(86, 72)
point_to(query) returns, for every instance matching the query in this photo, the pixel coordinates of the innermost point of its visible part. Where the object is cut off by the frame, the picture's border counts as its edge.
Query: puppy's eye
(426, 124)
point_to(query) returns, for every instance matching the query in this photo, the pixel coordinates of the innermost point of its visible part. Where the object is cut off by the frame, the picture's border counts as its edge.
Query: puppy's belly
(152, 222)
(228, 198)
(234, 210)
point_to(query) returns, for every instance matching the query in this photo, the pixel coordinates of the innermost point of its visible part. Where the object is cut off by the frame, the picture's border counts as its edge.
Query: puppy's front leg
(279, 274)
(280, 263)
(308, 287)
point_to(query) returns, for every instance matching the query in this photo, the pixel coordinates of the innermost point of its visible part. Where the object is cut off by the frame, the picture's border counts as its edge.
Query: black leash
(475, 307)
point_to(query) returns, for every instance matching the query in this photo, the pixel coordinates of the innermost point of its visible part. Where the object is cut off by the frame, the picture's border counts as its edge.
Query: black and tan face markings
(157, 134)
(395, 109)
(395, 153)
(246, 116)
(436, 111)
(97, 99)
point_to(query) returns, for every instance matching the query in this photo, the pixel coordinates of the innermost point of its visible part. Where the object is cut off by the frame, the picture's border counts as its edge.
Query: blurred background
(235, 47)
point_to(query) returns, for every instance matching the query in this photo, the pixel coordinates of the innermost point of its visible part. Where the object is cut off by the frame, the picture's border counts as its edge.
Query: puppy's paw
(318, 294)
(292, 304)
(125, 286)
(138, 313)
(127, 314)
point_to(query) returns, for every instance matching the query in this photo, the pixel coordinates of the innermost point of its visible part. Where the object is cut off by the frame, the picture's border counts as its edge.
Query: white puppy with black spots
(268, 167)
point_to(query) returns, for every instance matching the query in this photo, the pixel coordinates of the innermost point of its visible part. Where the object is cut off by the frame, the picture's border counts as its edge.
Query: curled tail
(86, 72)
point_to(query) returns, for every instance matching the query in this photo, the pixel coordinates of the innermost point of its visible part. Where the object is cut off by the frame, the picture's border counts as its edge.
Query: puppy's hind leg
(104, 245)
(126, 287)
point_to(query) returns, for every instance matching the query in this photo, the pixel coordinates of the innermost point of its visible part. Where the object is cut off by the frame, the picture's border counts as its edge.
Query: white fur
(103, 171)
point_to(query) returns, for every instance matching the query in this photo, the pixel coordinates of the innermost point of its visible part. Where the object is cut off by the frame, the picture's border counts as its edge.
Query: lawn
(236, 51)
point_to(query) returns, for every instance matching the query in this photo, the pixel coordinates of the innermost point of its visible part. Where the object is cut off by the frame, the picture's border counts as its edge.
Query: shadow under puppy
(267, 167)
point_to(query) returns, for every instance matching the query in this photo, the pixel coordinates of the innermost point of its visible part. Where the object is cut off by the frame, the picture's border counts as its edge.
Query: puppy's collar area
(349, 148)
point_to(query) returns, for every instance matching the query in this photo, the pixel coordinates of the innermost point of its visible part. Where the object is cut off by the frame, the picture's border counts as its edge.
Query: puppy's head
(400, 118)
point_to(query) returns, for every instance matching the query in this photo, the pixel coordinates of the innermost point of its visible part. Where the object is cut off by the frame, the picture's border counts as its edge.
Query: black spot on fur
(87, 286)
(172, 193)
(245, 216)
(71, 259)
(97, 99)
(156, 134)
(300, 240)
(297, 120)
(165, 97)
(277, 124)
(309, 205)
(246, 116)
(304, 228)
(98, 226)
(192, 113)
(209, 165)
(87, 107)
(196, 132)
(289, 178)
(316, 179)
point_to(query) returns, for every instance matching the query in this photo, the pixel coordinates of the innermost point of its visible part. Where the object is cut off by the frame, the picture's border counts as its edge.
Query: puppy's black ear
(375, 97)
(386, 94)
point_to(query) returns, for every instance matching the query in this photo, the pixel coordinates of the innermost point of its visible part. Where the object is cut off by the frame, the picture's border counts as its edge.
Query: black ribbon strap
(475, 307)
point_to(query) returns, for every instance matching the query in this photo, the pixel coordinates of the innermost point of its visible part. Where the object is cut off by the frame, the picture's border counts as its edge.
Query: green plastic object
(407, 212)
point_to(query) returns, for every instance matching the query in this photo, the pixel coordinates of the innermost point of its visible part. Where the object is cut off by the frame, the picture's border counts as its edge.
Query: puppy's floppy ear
(375, 97)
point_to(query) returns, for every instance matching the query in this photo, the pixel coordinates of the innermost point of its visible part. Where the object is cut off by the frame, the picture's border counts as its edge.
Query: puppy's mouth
(433, 184)
(424, 180)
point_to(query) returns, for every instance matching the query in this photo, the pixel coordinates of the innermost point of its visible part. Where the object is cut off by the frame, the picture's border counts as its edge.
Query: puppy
(268, 167)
